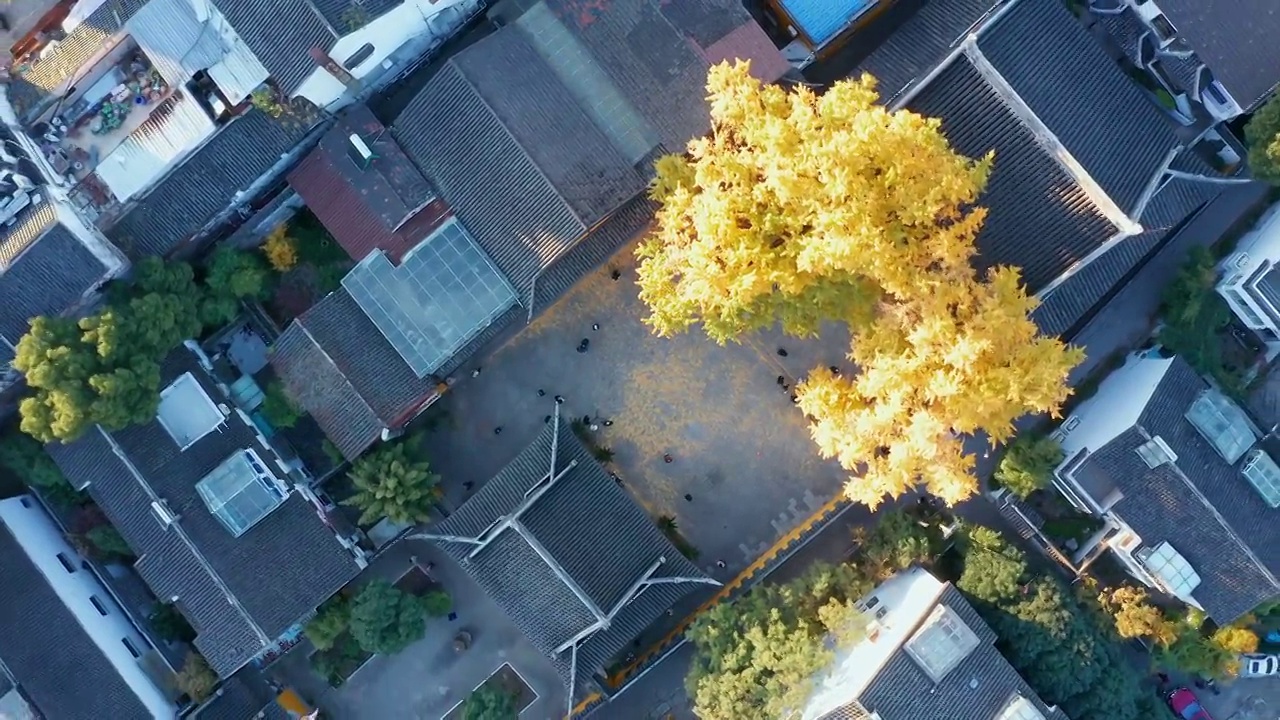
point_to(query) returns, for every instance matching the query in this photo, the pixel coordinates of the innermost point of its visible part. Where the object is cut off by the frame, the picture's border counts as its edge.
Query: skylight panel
(940, 645)
(1264, 475)
(1172, 570)
(1021, 709)
(1223, 424)
(241, 491)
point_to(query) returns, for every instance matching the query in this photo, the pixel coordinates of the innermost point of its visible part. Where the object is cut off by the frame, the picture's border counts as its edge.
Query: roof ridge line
(302, 326)
(559, 571)
(1047, 139)
(1213, 510)
(186, 540)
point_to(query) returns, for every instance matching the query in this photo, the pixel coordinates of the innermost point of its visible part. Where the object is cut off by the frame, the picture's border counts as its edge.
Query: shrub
(1028, 464)
(437, 603)
(196, 679)
(280, 250)
(385, 619)
(278, 408)
(330, 622)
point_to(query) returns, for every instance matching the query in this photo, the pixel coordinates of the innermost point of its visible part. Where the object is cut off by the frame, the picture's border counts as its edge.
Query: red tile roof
(345, 214)
(749, 42)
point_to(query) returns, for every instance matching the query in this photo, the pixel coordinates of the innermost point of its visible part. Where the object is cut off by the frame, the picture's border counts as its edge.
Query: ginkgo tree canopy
(800, 208)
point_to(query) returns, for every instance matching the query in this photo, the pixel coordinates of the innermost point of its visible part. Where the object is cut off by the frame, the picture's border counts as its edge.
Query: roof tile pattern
(1029, 195)
(590, 528)
(1123, 138)
(903, 690)
(53, 272)
(189, 197)
(57, 665)
(921, 43)
(1235, 38)
(281, 33)
(1163, 504)
(278, 571)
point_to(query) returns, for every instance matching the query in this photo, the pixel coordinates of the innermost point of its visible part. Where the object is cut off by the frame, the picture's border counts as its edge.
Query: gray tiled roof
(978, 688)
(347, 16)
(277, 572)
(56, 664)
(545, 121)
(206, 183)
(343, 371)
(1040, 220)
(1236, 39)
(281, 34)
(590, 528)
(1159, 505)
(49, 270)
(1177, 200)
(921, 43)
(1107, 123)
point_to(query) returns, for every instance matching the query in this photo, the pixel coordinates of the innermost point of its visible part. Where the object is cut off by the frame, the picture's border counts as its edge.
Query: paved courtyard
(744, 470)
(428, 678)
(1247, 699)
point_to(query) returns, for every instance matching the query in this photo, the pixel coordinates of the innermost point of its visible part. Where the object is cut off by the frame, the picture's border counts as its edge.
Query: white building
(1250, 282)
(67, 648)
(926, 654)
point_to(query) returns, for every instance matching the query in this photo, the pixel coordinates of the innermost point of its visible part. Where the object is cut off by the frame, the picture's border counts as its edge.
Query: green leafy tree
(1194, 315)
(1064, 647)
(437, 603)
(109, 542)
(233, 275)
(757, 656)
(330, 623)
(104, 368)
(385, 619)
(1262, 141)
(27, 459)
(279, 409)
(170, 625)
(1028, 464)
(390, 483)
(489, 703)
(196, 679)
(896, 542)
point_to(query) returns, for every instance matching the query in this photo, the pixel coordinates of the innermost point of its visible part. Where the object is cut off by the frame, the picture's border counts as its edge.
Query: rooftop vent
(1156, 452)
(359, 152)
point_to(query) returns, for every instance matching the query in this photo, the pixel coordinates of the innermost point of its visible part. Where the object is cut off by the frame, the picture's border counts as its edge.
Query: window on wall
(358, 57)
(66, 562)
(97, 605)
(131, 648)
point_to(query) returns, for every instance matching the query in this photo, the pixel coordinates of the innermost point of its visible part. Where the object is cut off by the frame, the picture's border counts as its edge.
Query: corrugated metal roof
(31, 223)
(174, 129)
(822, 20)
(239, 73)
(178, 43)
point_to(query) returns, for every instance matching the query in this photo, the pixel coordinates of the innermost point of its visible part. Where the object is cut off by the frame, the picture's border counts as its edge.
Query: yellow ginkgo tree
(800, 208)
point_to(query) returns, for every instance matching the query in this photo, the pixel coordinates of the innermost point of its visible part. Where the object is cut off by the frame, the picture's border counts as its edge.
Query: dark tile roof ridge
(475, 92)
(300, 322)
(1046, 138)
(176, 526)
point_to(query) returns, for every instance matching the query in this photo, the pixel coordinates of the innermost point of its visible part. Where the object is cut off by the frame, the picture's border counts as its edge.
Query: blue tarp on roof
(822, 20)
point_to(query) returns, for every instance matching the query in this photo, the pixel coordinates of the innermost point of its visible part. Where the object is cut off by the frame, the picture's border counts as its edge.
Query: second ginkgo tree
(801, 208)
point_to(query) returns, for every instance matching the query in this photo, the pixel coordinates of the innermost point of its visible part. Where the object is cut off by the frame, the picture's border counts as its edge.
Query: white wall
(1115, 408)
(411, 20)
(42, 542)
(1259, 245)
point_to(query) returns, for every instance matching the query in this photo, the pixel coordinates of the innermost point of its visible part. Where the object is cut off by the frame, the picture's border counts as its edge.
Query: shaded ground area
(739, 447)
(430, 677)
(1250, 699)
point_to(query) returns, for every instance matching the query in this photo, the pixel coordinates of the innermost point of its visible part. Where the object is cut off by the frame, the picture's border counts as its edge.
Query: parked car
(1186, 706)
(1259, 665)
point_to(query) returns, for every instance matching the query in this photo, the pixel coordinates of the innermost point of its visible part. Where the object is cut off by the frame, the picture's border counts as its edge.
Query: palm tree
(390, 483)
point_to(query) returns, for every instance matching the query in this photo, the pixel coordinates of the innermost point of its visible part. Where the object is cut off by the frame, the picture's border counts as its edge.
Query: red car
(1185, 704)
